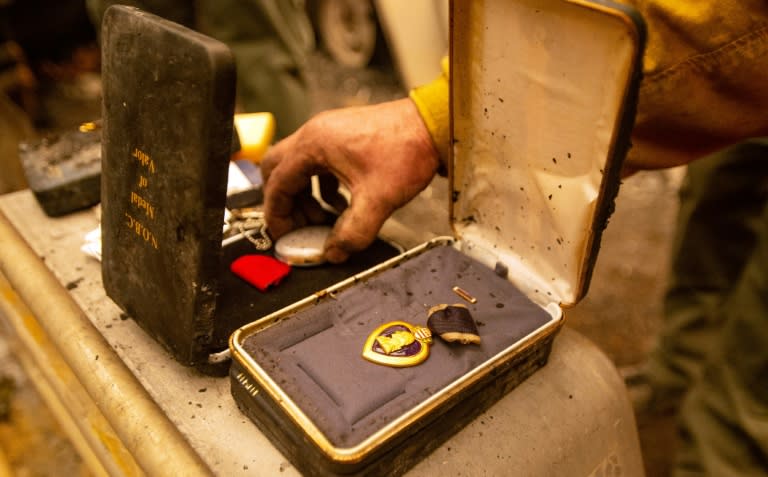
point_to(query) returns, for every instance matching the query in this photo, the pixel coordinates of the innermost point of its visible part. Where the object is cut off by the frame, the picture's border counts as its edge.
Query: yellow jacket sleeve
(432, 102)
(705, 79)
(705, 82)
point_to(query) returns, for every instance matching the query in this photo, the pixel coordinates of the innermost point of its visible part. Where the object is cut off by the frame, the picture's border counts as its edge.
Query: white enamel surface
(536, 99)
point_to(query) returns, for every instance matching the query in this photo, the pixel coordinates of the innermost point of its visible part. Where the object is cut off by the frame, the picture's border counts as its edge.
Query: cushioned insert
(315, 354)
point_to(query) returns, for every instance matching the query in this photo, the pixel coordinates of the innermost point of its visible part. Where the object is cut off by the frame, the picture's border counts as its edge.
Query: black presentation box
(168, 104)
(542, 104)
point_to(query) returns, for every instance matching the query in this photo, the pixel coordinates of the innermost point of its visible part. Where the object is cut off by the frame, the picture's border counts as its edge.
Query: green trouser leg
(268, 38)
(721, 202)
(724, 418)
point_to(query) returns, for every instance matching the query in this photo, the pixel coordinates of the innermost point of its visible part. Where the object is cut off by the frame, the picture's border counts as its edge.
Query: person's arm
(704, 87)
(705, 79)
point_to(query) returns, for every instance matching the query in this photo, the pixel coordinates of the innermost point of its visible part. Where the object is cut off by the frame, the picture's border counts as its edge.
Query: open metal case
(542, 104)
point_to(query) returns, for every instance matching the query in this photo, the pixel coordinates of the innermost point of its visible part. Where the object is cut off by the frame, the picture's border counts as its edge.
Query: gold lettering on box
(144, 159)
(142, 231)
(143, 204)
(139, 201)
(247, 385)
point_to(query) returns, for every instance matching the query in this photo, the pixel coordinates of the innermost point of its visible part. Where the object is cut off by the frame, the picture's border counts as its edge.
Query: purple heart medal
(398, 344)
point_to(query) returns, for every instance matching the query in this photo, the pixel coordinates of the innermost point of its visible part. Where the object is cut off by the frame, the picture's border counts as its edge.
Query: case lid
(543, 95)
(168, 103)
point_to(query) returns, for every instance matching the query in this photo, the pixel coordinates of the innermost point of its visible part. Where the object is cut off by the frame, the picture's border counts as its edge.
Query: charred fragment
(501, 270)
(453, 323)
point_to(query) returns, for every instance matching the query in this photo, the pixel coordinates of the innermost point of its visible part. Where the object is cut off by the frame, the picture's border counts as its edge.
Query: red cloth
(261, 271)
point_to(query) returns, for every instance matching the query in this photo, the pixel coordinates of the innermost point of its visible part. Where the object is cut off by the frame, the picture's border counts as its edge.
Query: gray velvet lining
(315, 355)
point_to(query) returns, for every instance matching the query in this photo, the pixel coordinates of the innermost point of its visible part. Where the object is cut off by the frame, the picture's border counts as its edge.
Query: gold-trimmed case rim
(360, 452)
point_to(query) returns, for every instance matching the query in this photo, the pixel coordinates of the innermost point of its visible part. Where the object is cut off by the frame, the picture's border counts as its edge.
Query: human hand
(383, 154)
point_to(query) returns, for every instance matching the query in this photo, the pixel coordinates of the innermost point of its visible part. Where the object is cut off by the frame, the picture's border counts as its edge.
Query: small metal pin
(463, 293)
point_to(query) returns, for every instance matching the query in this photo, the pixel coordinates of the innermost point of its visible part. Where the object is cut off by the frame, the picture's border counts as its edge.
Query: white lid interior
(538, 90)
